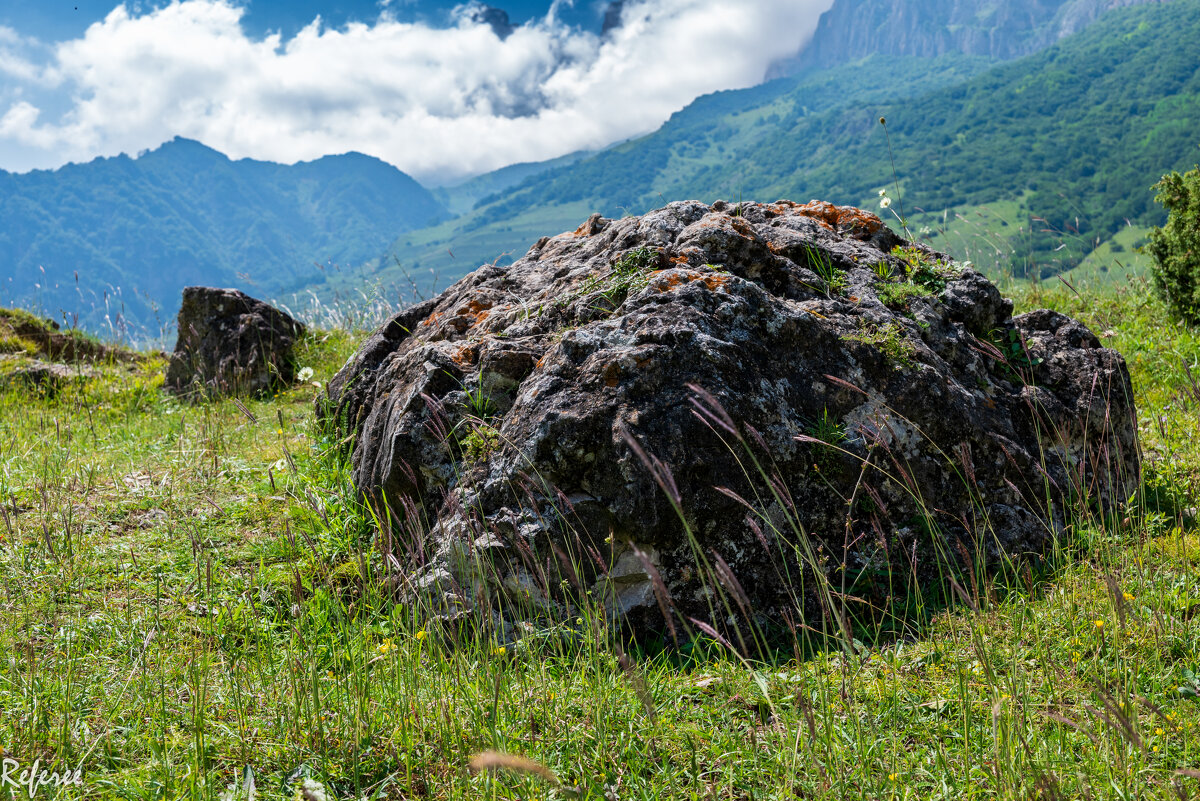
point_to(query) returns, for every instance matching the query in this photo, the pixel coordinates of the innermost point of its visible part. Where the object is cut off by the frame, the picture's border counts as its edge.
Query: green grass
(891, 340)
(188, 591)
(995, 237)
(1114, 261)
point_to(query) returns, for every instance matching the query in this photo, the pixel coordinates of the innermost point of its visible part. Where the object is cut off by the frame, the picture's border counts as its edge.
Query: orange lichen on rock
(612, 374)
(466, 356)
(592, 226)
(781, 206)
(844, 219)
(667, 280)
(476, 310)
(742, 226)
(462, 319)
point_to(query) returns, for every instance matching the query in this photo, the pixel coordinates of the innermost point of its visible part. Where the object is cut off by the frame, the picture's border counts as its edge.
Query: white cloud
(437, 103)
(16, 60)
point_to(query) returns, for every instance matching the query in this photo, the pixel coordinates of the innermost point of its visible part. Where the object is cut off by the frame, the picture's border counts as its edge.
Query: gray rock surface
(903, 420)
(230, 344)
(854, 29)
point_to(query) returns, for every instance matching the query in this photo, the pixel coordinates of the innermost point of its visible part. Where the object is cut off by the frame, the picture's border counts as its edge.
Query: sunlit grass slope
(188, 600)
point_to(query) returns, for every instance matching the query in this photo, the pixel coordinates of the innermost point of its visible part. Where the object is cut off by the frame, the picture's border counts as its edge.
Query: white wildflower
(305, 374)
(280, 466)
(883, 193)
(310, 790)
(885, 202)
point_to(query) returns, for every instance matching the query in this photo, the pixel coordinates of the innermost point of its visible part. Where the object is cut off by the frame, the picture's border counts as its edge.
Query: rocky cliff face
(854, 29)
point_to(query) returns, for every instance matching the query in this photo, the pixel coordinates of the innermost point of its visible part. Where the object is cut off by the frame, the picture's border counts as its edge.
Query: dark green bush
(1176, 246)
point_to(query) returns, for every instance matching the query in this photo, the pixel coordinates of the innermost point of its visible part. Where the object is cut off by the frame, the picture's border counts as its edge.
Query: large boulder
(231, 344)
(816, 398)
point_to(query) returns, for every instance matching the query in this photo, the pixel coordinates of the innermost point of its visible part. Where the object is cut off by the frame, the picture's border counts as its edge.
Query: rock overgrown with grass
(37, 356)
(652, 446)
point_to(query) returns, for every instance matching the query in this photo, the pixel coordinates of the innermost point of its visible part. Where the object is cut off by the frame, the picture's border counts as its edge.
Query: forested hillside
(700, 152)
(1077, 132)
(121, 237)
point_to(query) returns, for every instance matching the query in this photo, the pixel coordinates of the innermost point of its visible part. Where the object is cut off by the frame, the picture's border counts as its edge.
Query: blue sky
(422, 84)
(56, 20)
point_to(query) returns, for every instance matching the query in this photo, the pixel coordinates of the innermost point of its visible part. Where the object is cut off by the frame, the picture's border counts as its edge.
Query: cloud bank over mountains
(438, 103)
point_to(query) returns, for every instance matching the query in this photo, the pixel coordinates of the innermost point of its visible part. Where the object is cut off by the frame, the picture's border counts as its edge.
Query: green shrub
(480, 443)
(923, 269)
(1176, 246)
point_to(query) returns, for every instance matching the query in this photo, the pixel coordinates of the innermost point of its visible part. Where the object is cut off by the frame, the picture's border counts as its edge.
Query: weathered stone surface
(47, 378)
(230, 344)
(496, 421)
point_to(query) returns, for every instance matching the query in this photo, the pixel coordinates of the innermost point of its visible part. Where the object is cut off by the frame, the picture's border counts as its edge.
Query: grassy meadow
(189, 608)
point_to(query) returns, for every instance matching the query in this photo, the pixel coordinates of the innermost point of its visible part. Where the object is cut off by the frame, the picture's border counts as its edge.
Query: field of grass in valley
(190, 608)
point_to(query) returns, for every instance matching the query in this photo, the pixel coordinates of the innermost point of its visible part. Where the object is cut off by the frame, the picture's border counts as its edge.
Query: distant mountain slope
(854, 29)
(124, 236)
(1077, 132)
(637, 175)
(462, 197)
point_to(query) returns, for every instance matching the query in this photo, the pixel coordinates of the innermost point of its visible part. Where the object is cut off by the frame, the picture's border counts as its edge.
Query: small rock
(231, 344)
(48, 377)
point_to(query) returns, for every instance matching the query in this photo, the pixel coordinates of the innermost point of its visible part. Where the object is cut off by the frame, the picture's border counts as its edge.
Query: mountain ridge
(79, 239)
